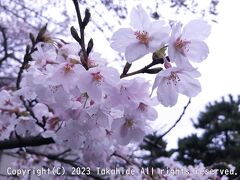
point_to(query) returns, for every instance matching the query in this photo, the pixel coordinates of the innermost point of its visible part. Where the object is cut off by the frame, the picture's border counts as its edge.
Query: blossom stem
(83, 53)
(126, 68)
(145, 69)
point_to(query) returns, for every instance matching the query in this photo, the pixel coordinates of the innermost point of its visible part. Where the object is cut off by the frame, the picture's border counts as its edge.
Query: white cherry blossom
(7, 125)
(67, 75)
(175, 80)
(187, 43)
(129, 128)
(144, 36)
(97, 81)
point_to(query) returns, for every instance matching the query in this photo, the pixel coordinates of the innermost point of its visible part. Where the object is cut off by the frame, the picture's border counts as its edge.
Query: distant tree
(155, 147)
(219, 142)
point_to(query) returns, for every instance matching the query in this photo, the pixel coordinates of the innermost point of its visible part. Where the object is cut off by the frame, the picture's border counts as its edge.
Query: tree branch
(4, 44)
(25, 142)
(83, 53)
(145, 69)
(177, 121)
(130, 162)
(63, 160)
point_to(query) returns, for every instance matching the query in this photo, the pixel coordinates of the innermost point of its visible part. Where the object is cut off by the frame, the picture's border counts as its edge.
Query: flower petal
(188, 85)
(198, 51)
(158, 27)
(135, 51)
(197, 30)
(122, 38)
(139, 19)
(176, 31)
(167, 94)
(137, 134)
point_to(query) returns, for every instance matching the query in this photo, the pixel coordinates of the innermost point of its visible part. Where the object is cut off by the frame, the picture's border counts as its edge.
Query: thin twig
(177, 121)
(143, 70)
(126, 69)
(83, 53)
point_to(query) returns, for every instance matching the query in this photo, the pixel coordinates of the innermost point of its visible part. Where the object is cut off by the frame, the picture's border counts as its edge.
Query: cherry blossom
(7, 125)
(176, 80)
(144, 36)
(97, 80)
(129, 128)
(46, 54)
(41, 111)
(187, 43)
(67, 75)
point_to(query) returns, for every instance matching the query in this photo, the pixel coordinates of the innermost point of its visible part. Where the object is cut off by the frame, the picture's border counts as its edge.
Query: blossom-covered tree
(68, 101)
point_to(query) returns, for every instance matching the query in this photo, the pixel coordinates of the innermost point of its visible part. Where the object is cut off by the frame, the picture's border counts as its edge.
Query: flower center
(53, 123)
(174, 78)
(108, 132)
(128, 123)
(97, 77)
(142, 107)
(182, 45)
(8, 103)
(68, 68)
(143, 37)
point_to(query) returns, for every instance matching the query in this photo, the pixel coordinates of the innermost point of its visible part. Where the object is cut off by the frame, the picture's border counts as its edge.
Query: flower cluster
(183, 45)
(92, 110)
(89, 107)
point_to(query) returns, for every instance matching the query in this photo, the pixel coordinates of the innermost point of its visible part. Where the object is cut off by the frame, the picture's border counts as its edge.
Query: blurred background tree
(216, 144)
(154, 147)
(219, 141)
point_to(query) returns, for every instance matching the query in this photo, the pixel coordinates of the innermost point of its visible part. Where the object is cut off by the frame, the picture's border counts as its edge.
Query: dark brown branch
(145, 69)
(83, 53)
(126, 69)
(25, 142)
(63, 160)
(130, 162)
(26, 59)
(4, 44)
